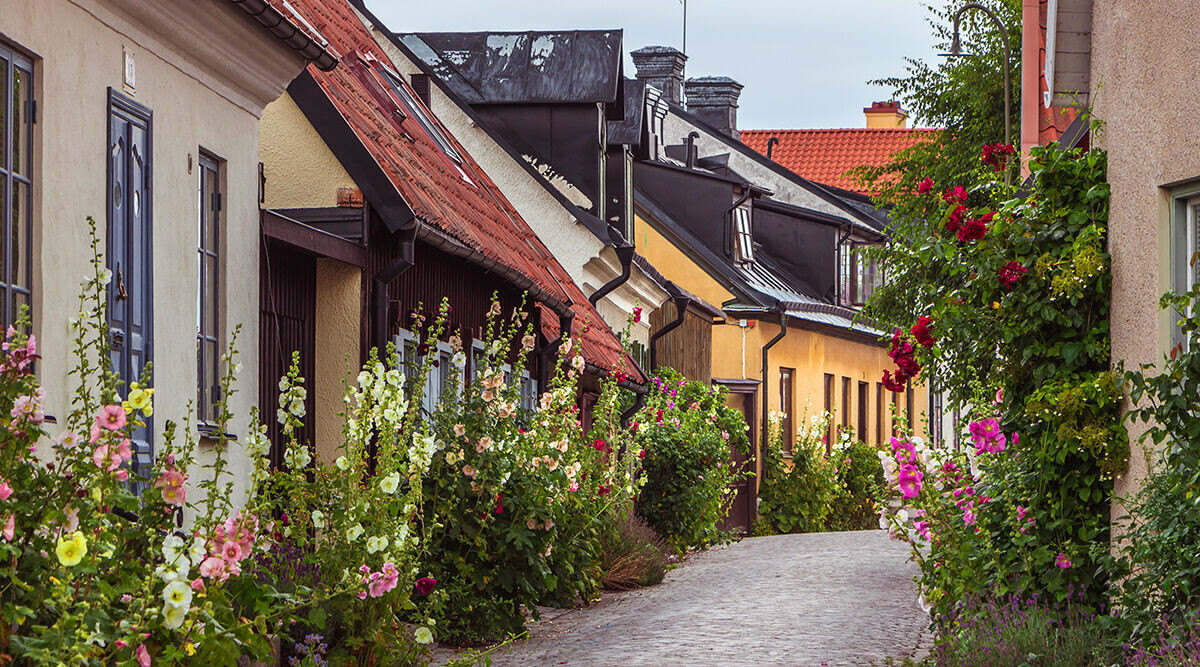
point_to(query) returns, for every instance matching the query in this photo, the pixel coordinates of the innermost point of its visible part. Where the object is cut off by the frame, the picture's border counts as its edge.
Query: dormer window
(743, 239)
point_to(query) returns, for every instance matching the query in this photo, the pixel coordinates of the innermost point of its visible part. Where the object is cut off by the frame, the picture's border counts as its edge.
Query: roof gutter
(289, 33)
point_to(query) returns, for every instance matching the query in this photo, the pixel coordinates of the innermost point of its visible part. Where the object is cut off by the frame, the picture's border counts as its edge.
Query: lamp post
(956, 51)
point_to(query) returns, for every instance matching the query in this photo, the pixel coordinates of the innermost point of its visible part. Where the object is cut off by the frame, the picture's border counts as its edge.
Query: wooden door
(287, 324)
(130, 254)
(744, 509)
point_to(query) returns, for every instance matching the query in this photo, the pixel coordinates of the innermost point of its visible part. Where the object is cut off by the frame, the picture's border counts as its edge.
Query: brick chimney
(885, 116)
(713, 99)
(661, 67)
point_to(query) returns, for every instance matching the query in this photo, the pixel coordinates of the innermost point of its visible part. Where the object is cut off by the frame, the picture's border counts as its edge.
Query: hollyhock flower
(173, 617)
(925, 186)
(111, 417)
(1010, 273)
(955, 194)
(6, 491)
(906, 446)
(10, 528)
(969, 515)
(578, 363)
(143, 656)
(72, 549)
(213, 567)
(68, 440)
(423, 635)
(171, 483)
(909, 480)
(232, 551)
(1062, 561)
(177, 594)
(922, 331)
(390, 483)
(425, 585)
(198, 585)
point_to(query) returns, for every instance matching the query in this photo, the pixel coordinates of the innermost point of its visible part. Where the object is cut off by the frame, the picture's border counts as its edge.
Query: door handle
(118, 339)
(121, 294)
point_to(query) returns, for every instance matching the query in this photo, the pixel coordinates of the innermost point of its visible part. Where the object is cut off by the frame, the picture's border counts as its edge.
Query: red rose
(972, 230)
(1010, 273)
(908, 366)
(955, 194)
(956, 218)
(921, 331)
(925, 186)
(425, 585)
(896, 385)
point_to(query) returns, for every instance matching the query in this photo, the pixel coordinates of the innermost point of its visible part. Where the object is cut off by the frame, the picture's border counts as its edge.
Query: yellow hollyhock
(71, 551)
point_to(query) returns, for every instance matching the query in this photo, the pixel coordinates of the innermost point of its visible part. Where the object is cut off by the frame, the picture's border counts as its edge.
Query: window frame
(209, 333)
(9, 177)
(1184, 244)
(743, 233)
(418, 112)
(787, 400)
(830, 409)
(864, 404)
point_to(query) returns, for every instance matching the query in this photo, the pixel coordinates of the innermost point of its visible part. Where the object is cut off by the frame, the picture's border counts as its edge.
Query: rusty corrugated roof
(456, 198)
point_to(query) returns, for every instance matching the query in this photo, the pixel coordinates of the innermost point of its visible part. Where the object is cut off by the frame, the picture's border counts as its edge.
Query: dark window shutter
(420, 86)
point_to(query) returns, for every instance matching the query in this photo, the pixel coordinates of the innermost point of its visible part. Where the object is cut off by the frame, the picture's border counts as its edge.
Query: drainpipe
(681, 304)
(639, 402)
(551, 348)
(625, 255)
(379, 289)
(691, 149)
(766, 367)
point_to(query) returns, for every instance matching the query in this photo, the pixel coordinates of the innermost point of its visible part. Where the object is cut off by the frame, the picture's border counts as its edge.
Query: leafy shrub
(688, 434)
(632, 555)
(856, 506)
(797, 495)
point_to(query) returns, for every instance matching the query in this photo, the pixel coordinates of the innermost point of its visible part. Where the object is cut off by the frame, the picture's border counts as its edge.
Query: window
(417, 111)
(743, 239)
(829, 410)
(17, 109)
(864, 399)
(845, 401)
(437, 383)
(208, 316)
(1185, 244)
(859, 274)
(785, 407)
(879, 413)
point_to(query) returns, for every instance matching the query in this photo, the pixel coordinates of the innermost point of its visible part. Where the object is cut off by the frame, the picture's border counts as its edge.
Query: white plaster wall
(77, 47)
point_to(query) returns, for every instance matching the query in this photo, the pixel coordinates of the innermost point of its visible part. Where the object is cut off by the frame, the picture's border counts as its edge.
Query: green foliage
(856, 506)
(1156, 572)
(797, 495)
(687, 434)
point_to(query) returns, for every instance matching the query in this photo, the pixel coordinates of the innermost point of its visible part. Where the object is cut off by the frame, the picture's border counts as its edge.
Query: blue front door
(130, 295)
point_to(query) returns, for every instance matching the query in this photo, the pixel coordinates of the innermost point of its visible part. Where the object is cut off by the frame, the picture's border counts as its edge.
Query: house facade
(374, 212)
(143, 115)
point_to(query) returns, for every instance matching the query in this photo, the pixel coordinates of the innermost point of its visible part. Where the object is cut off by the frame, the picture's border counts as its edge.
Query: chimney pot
(661, 67)
(885, 115)
(714, 100)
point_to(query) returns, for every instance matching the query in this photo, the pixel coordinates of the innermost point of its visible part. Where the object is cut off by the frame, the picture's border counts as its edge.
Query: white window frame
(528, 387)
(439, 376)
(743, 234)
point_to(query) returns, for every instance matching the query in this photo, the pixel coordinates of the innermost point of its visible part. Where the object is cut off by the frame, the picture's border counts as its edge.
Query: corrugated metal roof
(524, 67)
(457, 199)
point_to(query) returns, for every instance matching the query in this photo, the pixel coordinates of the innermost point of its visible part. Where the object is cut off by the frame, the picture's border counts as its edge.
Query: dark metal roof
(574, 66)
(629, 130)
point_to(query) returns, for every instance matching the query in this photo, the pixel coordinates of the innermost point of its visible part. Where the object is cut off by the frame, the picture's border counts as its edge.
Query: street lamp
(956, 51)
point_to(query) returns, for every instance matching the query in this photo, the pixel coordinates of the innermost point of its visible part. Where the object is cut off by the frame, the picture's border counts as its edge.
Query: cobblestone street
(813, 599)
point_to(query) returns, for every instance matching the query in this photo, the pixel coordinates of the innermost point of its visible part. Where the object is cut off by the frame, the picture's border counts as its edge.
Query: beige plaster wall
(338, 322)
(77, 48)
(300, 169)
(1143, 65)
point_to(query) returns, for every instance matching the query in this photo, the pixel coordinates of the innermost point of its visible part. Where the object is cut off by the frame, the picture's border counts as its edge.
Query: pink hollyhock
(124, 451)
(173, 492)
(231, 552)
(1010, 273)
(909, 448)
(103, 459)
(111, 417)
(121, 475)
(378, 585)
(10, 528)
(425, 585)
(922, 331)
(955, 194)
(1062, 561)
(6, 491)
(212, 567)
(198, 585)
(969, 515)
(95, 433)
(637, 313)
(909, 480)
(925, 186)
(923, 529)
(143, 656)
(1021, 512)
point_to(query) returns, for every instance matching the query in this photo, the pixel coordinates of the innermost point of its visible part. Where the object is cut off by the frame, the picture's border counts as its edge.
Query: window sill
(210, 434)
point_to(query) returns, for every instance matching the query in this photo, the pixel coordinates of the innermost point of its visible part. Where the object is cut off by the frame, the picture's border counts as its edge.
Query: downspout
(379, 289)
(625, 255)
(766, 367)
(691, 149)
(681, 302)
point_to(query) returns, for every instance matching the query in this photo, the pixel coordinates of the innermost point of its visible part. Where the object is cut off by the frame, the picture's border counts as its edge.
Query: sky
(804, 63)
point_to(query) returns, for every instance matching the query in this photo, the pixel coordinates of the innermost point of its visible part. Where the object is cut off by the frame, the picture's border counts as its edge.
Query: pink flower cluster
(231, 543)
(922, 526)
(963, 493)
(909, 476)
(28, 407)
(988, 437)
(1024, 519)
(379, 582)
(1062, 561)
(171, 482)
(18, 357)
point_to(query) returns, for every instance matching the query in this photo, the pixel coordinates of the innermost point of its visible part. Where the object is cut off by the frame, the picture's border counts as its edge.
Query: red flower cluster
(922, 331)
(975, 228)
(997, 154)
(925, 186)
(955, 194)
(956, 218)
(907, 367)
(1010, 273)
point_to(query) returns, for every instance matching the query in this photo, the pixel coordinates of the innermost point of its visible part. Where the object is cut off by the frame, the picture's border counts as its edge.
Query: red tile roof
(475, 213)
(825, 156)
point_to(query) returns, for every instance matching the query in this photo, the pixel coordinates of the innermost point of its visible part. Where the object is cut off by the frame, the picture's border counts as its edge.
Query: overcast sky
(804, 63)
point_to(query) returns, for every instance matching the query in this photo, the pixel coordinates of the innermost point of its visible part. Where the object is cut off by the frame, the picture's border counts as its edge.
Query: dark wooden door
(130, 253)
(744, 509)
(287, 305)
